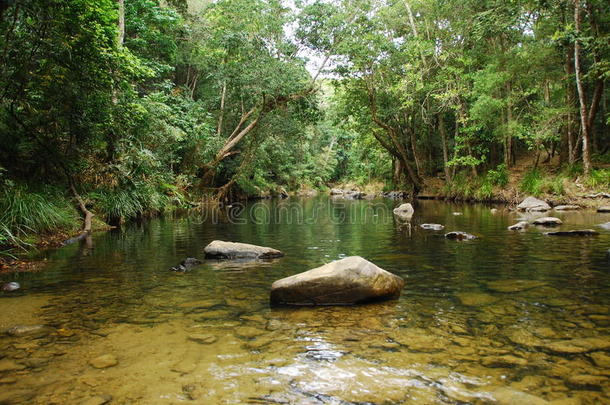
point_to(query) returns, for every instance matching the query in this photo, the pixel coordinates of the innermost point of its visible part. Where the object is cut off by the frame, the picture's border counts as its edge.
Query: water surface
(511, 317)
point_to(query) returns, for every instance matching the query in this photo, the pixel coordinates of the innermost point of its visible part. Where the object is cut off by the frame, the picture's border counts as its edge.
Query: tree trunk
(223, 95)
(442, 131)
(121, 33)
(569, 141)
(584, 119)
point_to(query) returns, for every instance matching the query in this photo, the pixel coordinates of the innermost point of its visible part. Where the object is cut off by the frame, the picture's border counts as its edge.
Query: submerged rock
(575, 232)
(104, 361)
(547, 221)
(404, 211)
(432, 227)
(29, 330)
(12, 286)
(533, 204)
(604, 208)
(10, 365)
(232, 250)
(605, 226)
(518, 226)
(458, 235)
(187, 264)
(514, 285)
(510, 396)
(98, 400)
(202, 338)
(475, 298)
(566, 208)
(347, 281)
(506, 361)
(581, 345)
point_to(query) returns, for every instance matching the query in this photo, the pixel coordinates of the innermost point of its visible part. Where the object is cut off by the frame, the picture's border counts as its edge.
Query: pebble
(248, 332)
(97, 400)
(104, 361)
(203, 338)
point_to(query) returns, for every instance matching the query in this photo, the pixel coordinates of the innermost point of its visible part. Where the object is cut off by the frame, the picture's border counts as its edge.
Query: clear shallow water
(511, 317)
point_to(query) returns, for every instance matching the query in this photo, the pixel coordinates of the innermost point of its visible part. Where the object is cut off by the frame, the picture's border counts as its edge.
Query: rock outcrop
(231, 250)
(348, 281)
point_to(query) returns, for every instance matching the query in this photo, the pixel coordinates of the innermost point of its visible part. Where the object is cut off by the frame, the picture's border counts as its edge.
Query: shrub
(531, 182)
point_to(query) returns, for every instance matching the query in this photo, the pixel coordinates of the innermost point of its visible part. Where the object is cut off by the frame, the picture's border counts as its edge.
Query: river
(510, 317)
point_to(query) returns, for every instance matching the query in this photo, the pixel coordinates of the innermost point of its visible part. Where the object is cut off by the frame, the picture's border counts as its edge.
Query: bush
(599, 178)
(498, 177)
(531, 182)
(119, 205)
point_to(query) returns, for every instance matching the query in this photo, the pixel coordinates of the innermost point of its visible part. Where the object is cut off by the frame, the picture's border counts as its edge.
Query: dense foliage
(137, 106)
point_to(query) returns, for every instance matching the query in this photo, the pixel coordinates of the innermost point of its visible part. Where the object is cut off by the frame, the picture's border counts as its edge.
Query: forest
(112, 110)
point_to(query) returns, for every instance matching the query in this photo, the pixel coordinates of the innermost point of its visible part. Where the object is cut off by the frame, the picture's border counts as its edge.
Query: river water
(509, 318)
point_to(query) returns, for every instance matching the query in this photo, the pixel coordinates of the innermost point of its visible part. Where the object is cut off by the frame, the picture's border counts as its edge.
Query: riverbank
(547, 181)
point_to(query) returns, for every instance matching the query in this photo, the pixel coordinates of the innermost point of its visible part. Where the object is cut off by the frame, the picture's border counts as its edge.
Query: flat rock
(336, 191)
(203, 338)
(232, 250)
(533, 204)
(351, 280)
(432, 227)
(459, 235)
(518, 226)
(604, 208)
(506, 361)
(522, 337)
(248, 332)
(585, 381)
(579, 345)
(510, 396)
(566, 208)
(547, 221)
(10, 365)
(574, 232)
(598, 195)
(605, 225)
(104, 361)
(404, 211)
(600, 359)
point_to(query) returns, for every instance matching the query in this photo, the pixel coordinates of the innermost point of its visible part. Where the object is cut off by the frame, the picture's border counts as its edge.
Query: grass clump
(24, 212)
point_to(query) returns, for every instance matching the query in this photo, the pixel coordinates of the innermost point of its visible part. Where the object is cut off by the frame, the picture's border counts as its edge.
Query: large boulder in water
(404, 211)
(348, 281)
(231, 250)
(533, 204)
